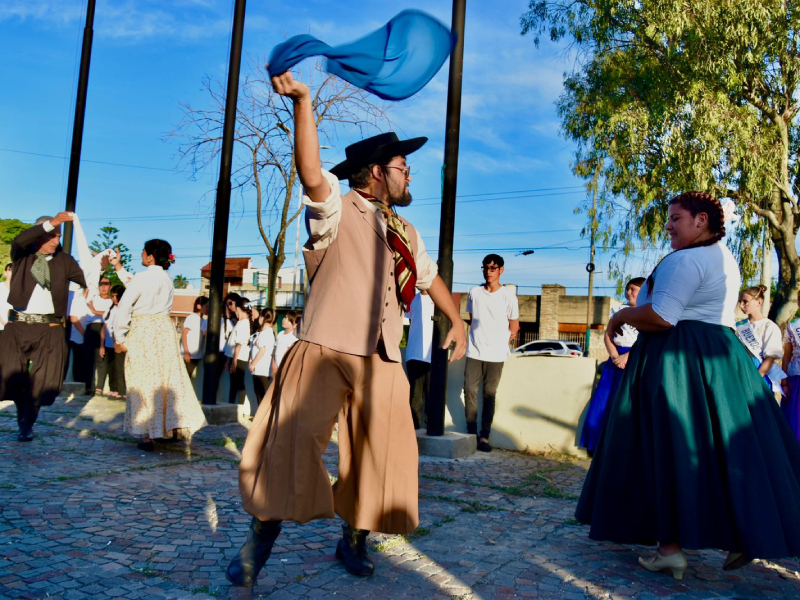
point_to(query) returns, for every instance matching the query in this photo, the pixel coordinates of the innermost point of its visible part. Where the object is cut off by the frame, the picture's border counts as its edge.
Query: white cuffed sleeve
(322, 218)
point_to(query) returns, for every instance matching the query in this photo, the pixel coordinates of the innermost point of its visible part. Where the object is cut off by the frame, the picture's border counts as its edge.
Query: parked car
(549, 348)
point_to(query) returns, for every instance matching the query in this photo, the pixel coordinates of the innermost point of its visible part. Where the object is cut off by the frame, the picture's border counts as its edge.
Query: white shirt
(41, 300)
(420, 332)
(225, 331)
(629, 333)
(771, 339)
(698, 284)
(109, 327)
(282, 344)
(489, 333)
(76, 307)
(195, 327)
(101, 304)
(263, 339)
(4, 305)
(148, 293)
(241, 336)
(322, 223)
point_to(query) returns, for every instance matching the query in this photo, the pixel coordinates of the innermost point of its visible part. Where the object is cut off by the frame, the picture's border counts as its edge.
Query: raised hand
(286, 85)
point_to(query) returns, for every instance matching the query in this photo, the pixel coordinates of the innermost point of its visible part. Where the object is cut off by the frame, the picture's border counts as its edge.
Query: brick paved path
(84, 514)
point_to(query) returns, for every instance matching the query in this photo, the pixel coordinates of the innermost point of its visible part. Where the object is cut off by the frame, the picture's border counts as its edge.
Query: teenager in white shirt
(110, 363)
(285, 339)
(494, 321)
(240, 341)
(193, 336)
(78, 314)
(99, 307)
(261, 350)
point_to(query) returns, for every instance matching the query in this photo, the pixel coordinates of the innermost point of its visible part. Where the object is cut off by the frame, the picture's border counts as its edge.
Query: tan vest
(352, 300)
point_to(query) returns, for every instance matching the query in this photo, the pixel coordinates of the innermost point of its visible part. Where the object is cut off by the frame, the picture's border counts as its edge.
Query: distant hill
(9, 229)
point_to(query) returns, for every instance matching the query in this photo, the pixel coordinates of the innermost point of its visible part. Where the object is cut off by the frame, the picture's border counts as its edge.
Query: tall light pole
(437, 397)
(77, 123)
(221, 214)
(590, 264)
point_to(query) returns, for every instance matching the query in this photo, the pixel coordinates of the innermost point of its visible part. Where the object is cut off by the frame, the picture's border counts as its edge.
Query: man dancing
(364, 264)
(34, 349)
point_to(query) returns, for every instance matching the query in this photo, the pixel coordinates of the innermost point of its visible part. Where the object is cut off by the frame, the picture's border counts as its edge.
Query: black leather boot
(243, 570)
(352, 551)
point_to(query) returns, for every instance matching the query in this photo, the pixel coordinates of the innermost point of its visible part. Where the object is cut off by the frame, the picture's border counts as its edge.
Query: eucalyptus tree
(670, 95)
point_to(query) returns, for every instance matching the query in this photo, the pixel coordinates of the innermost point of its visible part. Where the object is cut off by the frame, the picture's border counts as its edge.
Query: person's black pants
(118, 374)
(489, 373)
(419, 377)
(76, 355)
(104, 366)
(260, 383)
(32, 358)
(91, 344)
(237, 391)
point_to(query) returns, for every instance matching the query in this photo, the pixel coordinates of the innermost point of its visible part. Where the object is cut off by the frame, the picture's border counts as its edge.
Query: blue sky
(515, 187)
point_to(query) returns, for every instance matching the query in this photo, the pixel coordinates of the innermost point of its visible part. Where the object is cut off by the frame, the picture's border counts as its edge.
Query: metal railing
(532, 336)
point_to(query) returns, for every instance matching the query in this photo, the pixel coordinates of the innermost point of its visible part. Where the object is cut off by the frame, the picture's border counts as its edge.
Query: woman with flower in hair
(695, 452)
(160, 399)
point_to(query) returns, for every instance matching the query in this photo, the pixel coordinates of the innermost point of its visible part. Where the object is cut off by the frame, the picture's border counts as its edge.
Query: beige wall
(540, 403)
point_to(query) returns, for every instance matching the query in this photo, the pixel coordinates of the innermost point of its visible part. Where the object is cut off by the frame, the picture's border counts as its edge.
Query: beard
(401, 198)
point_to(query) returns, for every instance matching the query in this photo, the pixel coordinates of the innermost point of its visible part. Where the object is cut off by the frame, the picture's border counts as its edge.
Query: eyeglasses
(406, 170)
(491, 269)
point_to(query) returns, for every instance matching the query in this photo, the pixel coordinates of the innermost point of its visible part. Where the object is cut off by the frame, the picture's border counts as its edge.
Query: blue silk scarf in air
(394, 62)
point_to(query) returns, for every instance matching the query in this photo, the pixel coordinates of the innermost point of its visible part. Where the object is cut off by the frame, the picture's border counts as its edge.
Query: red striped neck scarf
(405, 268)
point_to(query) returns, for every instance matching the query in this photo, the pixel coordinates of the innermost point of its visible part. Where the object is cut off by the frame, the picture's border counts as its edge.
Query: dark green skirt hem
(695, 451)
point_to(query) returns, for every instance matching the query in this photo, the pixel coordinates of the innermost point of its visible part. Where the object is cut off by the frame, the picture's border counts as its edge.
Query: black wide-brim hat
(375, 150)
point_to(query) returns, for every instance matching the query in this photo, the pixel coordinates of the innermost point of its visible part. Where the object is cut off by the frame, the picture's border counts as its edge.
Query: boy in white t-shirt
(193, 335)
(494, 321)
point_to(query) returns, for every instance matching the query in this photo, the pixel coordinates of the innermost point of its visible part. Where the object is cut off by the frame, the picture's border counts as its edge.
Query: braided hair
(696, 203)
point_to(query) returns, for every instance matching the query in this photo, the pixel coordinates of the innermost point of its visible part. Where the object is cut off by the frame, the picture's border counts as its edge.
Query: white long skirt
(160, 394)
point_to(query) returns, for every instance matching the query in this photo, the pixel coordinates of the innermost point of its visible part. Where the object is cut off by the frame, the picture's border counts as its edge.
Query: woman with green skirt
(695, 453)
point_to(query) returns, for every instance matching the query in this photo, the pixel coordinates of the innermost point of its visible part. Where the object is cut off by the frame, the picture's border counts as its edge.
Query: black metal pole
(437, 396)
(220, 241)
(77, 124)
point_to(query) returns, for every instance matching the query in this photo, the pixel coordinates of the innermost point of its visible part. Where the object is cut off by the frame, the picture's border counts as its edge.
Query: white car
(549, 348)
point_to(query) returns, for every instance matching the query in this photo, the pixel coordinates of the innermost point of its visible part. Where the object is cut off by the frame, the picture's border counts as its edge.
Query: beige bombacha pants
(282, 476)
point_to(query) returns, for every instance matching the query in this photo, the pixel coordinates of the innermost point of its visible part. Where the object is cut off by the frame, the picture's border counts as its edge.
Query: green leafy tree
(9, 229)
(107, 238)
(180, 282)
(668, 96)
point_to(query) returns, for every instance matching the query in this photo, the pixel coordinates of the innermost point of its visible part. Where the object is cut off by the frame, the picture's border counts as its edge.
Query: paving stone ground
(84, 514)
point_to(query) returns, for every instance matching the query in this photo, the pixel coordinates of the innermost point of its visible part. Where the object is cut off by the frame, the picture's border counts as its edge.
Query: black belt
(18, 317)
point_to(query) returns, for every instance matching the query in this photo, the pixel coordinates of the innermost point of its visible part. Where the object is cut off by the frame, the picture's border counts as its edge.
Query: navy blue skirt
(598, 405)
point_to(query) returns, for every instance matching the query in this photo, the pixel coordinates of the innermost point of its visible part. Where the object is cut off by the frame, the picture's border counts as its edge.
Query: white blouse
(698, 284)
(148, 293)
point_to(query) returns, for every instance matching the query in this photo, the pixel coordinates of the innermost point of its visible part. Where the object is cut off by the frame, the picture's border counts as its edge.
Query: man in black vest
(34, 349)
